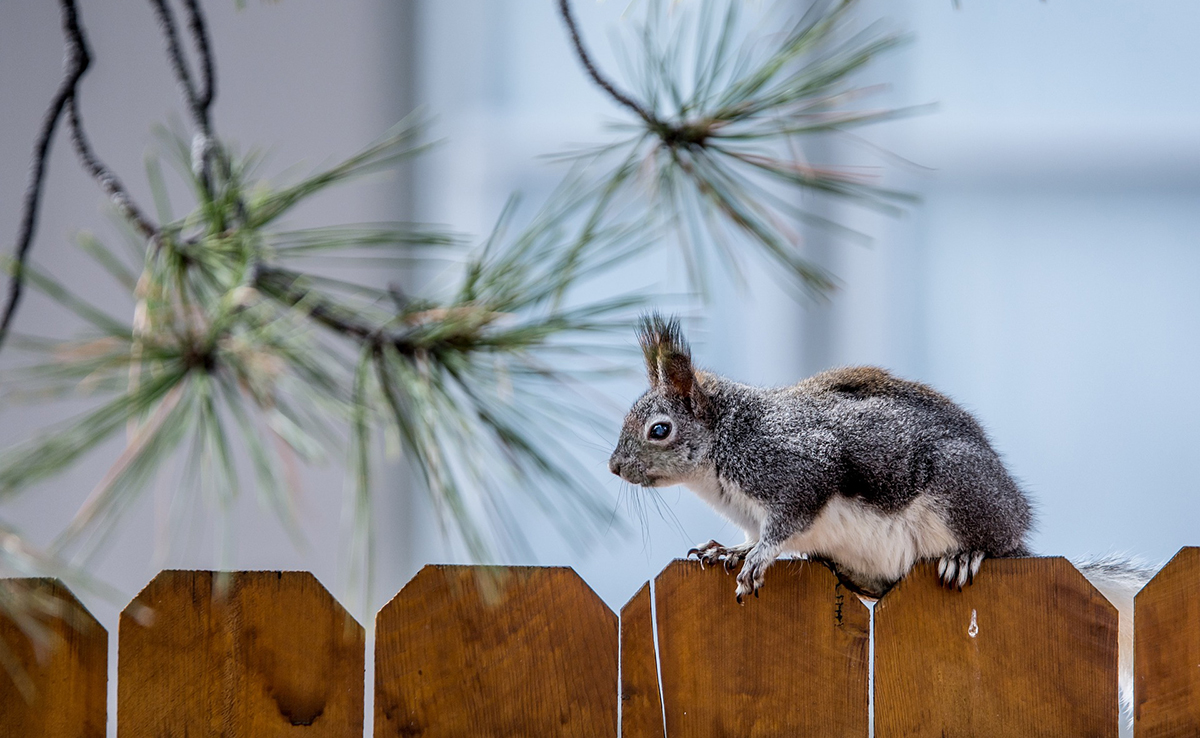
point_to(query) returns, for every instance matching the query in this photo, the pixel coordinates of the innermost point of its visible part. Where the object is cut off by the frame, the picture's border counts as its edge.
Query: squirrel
(854, 466)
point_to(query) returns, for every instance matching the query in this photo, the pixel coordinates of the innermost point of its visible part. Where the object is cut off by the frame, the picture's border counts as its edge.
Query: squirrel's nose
(614, 466)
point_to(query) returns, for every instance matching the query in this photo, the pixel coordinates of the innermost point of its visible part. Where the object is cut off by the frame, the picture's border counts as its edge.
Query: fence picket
(496, 651)
(1167, 651)
(57, 688)
(792, 662)
(641, 708)
(1029, 649)
(239, 655)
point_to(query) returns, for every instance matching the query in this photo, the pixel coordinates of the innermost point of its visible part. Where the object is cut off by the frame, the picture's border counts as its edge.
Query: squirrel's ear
(658, 337)
(669, 361)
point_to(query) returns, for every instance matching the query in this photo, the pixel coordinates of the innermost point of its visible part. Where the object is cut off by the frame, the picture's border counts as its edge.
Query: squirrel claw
(713, 553)
(956, 571)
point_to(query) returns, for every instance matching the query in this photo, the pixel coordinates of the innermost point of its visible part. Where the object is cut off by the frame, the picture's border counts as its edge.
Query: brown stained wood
(1166, 651)
(491, 651)
(792, 662)
(63, 672)
(641, 708)
(1029, 649)
(268, 654)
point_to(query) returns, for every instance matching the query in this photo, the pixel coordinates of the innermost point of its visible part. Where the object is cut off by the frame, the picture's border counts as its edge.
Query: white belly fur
(860, 538)
(743, 511)
(872, 543)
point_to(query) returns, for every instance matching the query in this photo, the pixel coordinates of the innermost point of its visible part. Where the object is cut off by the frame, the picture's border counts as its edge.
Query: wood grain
(491, 651)
(641, 707)
(261, 654)
(1167, 651)
(1029, 649)
(792, 662)
(64, 671)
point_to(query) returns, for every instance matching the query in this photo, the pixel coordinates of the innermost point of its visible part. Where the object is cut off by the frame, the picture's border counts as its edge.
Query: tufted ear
(669, 361)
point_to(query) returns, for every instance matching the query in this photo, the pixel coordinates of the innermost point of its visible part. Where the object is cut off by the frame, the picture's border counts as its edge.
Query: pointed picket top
(1166, 651)
(1030, 648)
(58, 684)
(239, 655)
(473, 650)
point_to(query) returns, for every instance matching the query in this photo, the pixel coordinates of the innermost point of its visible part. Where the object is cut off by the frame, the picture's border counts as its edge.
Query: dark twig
(202, 105)
(198, 100)
(283, 285)
(286, 287)
(564, 7)
(77, 60)
(103, 175)
(199, 29)
(166, 24)
(76, 64)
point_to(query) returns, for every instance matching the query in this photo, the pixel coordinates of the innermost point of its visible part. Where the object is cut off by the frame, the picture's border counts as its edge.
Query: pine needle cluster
(235, 343)
(724, 101)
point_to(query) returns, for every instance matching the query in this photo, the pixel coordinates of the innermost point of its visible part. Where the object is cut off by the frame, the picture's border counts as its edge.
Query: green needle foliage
(236, 354)
(722, 111)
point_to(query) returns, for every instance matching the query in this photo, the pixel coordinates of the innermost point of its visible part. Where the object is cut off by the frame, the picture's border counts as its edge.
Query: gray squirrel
(853, 466)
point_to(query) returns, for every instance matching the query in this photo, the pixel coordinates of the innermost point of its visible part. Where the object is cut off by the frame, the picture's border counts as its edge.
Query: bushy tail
(1120, 579)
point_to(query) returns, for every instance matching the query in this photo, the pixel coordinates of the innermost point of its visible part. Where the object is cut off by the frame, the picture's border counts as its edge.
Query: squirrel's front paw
(706, 553)
(956, 571)
(712, 553)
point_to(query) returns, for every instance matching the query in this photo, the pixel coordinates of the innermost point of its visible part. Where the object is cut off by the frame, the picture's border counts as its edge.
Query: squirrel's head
(667, 435)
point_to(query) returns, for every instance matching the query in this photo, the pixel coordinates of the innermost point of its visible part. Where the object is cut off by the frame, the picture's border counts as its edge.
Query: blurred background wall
(1047, 280)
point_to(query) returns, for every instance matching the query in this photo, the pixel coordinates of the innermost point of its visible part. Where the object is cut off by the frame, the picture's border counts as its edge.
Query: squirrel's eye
(659, 431)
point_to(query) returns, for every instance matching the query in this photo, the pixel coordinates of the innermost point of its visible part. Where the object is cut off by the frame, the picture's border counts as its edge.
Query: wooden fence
(1028, 650)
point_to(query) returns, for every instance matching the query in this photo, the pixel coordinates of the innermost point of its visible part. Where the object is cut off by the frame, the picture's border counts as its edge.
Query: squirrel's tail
(1120, 579)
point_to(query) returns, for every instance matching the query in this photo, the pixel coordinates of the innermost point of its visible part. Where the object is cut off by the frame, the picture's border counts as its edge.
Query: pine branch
(726, 108)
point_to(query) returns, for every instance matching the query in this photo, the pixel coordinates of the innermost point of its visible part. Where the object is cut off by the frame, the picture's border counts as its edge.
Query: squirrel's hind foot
(956, 571)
